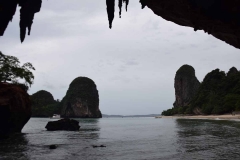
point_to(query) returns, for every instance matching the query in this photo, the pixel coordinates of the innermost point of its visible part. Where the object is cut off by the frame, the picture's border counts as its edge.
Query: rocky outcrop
(186, 85)
(81, 100)
(43, 104)
(219, 93)
(63, 124)
(232, 71)
(15, 108)
(42, 97)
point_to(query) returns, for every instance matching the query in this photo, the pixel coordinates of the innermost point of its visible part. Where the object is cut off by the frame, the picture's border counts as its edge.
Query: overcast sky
(133, 64)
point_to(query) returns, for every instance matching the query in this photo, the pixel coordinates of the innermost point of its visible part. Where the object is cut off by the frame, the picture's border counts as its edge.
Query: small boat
(56, 116)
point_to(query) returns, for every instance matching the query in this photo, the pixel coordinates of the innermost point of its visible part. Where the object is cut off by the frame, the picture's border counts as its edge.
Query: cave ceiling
(219, 18)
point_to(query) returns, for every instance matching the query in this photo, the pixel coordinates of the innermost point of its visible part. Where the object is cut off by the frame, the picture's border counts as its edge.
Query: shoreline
(223, 117)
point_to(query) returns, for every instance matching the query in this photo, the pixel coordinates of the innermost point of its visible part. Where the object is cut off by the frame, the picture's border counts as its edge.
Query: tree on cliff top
(10, 70)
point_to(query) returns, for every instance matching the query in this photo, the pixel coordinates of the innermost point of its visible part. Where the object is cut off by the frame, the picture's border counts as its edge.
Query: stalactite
(126, 2)
(27, 11)
(7, 10)
(110, 11)
(120, 7)
(143, 3)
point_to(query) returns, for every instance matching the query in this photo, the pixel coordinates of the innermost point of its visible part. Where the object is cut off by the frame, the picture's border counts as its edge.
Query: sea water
(127, 139)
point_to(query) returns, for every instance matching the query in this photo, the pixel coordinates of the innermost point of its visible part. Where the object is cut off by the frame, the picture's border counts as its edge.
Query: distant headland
(219, 93)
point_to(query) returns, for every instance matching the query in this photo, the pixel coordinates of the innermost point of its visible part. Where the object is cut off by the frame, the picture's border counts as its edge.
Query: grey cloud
(48, 85)
(62, 86)
(131, 63)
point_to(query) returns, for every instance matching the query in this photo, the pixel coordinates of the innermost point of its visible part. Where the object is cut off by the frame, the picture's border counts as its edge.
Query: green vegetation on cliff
(43, 104)
(186, 70)
(81, 99)
(219, 93)
(12, 71)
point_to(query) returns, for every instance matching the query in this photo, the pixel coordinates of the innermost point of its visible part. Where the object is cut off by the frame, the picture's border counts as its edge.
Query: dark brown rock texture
(15, 108)
(63, 124)
(81, 100)
(186, 85)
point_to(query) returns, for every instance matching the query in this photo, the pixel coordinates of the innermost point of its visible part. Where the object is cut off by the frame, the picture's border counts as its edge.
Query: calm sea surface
(127, 139)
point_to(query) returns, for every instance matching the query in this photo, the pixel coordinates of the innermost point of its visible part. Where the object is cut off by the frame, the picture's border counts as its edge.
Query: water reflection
(14, 147)
(90, 128)
(208, 138)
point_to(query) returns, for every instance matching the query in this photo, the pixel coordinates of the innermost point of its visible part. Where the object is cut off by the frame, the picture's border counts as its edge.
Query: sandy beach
(227, 116)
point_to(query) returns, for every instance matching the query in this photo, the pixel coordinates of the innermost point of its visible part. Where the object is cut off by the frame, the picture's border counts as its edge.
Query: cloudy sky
(133, 64)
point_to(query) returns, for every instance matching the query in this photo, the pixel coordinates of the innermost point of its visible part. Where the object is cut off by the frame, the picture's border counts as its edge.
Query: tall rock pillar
(186, 85)
(81, 100)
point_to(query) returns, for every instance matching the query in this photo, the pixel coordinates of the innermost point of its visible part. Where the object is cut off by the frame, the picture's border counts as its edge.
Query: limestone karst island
(218, 93)
(80, 101)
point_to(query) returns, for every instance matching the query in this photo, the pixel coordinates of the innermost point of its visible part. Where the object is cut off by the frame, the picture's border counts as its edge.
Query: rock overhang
(220, 18)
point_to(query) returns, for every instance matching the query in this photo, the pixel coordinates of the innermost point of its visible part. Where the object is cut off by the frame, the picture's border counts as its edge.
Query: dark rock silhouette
(63, 124)
(81, 100)
(15, 108)
(111, 9)
(232, 71)
(27, 11)
(186, 85)
(120, 7)
(96, 146)
(220, 18)
(219, 93)
(43, 104)
(53, 146)
(43, 97)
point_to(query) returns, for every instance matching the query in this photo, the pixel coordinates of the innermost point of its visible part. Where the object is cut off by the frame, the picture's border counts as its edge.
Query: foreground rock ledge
(63, 124)
(15, 108)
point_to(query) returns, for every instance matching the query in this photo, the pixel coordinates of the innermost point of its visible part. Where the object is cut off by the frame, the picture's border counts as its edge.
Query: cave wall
(220, 18)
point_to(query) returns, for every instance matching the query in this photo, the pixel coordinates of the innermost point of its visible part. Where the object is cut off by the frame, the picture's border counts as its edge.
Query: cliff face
(219, 93)
(43, 104)
(81, 99)
(15, 108)
(186, 85)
